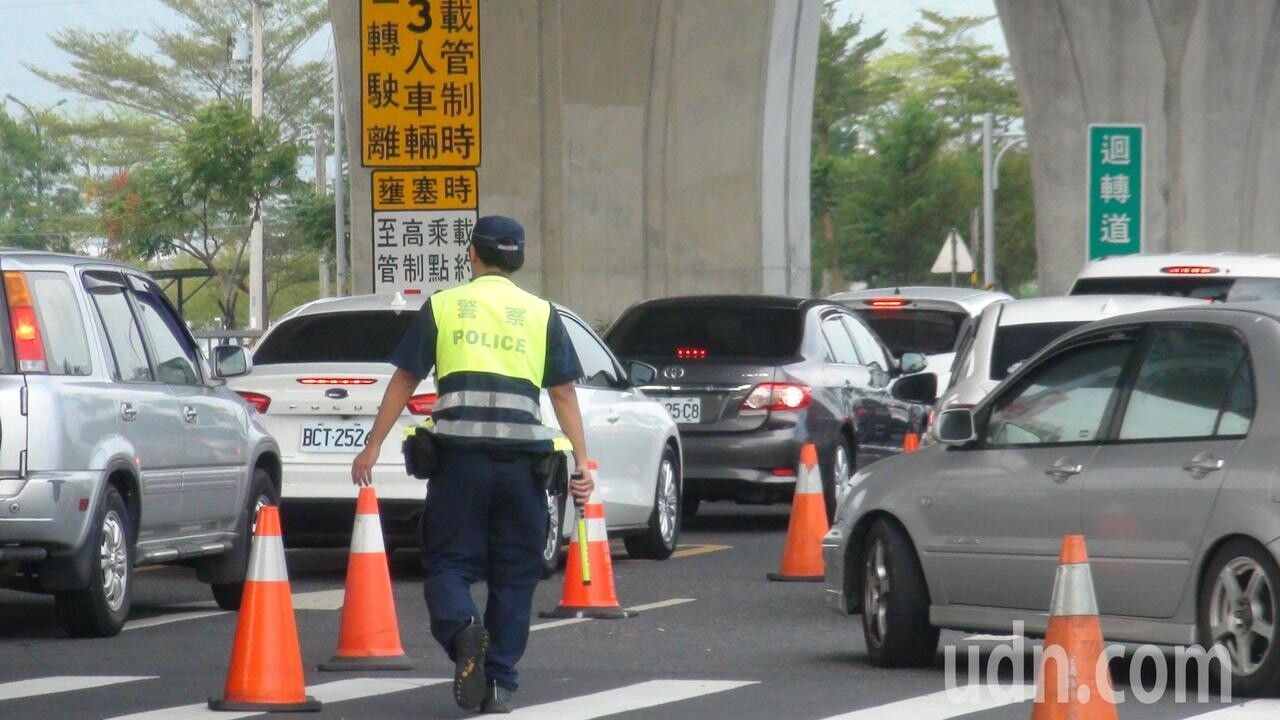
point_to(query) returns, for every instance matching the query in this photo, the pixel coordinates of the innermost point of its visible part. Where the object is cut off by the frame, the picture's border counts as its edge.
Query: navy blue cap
(498, 232)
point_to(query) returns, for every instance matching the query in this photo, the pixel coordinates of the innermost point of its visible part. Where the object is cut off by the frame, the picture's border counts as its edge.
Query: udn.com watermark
(1003, 679)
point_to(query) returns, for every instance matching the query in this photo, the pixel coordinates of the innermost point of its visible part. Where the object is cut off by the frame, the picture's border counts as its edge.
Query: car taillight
(421, 404)
(778, 396)
(259, 401)
(27, 344)
(335, 381)
(691, 353)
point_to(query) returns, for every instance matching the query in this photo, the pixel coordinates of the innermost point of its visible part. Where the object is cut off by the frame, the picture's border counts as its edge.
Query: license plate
(335, 437)
(683, 409)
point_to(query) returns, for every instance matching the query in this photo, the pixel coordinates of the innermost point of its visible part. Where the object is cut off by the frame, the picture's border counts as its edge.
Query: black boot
(497, 699)
(469, 648)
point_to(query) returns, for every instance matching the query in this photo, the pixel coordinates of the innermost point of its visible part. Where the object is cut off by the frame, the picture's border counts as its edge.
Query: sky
(25, 27)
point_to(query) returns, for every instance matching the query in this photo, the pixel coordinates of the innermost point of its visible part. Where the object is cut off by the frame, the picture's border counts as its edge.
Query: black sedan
(751, 379)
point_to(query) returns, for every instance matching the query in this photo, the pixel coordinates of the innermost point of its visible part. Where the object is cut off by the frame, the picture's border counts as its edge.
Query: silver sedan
(1154, 435)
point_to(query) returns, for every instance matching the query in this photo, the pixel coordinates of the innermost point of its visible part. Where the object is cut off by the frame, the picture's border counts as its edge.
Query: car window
(175, 357)
(1015, 343)
(839, 342)
(366, 336)
(597, 366)
(716, 332)
(869, 348)
(124, 338)
(1237, 412)
(964, 350)
(61, 325)
(1182, 384)
(1062, 400)
(907, 330)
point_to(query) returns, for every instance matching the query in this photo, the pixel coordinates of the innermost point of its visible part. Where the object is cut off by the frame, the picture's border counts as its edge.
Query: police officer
(493, 346)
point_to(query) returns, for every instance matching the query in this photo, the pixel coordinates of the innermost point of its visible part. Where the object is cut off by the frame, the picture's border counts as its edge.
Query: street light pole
(35, 122)
(991, 181)
(257, 250)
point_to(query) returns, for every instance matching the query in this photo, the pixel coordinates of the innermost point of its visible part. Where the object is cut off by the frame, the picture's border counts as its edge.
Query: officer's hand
(581, 487)
(362, 466)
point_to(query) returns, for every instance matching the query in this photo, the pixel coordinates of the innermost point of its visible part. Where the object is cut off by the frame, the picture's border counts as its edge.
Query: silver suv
(118, 447)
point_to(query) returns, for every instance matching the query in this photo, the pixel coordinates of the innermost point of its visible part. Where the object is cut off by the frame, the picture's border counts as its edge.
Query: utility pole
(257, 248)
(339, 192)
(321, 188)
(991, 181)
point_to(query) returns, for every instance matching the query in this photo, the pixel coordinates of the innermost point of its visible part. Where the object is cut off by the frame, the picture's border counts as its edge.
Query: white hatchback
(318, 377)
(1220, 277)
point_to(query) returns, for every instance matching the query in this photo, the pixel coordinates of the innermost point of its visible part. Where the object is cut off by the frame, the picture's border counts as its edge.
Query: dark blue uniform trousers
(485, 519)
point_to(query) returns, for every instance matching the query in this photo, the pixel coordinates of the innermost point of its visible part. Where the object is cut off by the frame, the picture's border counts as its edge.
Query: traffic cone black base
(794, 578)
(338, 663)
(594, 613)
(309, 705)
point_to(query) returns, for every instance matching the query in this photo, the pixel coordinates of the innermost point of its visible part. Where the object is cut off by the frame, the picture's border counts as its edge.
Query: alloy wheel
(874, 588)
(113, 558)
(1242, 614)
(553, 529)
(840, 473)
(668, 501)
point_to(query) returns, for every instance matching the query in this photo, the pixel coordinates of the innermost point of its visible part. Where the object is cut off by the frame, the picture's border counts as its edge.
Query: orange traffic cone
(910, 442)
(266, 664)
(802, 557)
(1074, 680)
(588, 577)
(369, 638)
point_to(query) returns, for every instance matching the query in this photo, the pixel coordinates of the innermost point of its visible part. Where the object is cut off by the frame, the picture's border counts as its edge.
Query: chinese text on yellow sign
(420, 77)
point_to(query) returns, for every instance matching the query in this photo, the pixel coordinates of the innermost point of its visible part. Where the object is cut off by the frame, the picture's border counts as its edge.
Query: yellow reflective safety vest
(491, 352)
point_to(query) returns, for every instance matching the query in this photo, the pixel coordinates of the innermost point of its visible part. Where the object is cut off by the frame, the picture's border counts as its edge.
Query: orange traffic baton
(1075, 682)
(266, 663)
(369, 638)
(588, 584)
(802, 556)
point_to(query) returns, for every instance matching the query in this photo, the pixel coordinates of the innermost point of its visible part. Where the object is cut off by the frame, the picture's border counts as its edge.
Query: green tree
(194, 201)
(39, 199)
(843, 93)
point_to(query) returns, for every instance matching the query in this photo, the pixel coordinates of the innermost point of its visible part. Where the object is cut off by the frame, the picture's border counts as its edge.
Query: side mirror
(918, 388)
(912, 363)
(955, 427)
(639, 373)
(230, 361)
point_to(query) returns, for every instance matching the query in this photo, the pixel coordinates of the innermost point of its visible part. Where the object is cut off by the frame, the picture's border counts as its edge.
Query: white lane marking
(319, 600)
(166, 619)
(63, 683)
(337, 691)
(946, 704)
(625, 699)
(992, 638)
(1252, 710)
(637, 608)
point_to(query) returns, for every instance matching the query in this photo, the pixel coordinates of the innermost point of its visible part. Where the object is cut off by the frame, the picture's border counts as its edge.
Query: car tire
(261, 492)
(895, 601)
(101, 608)
(1238, 593)
(553, 551)
(662, 533)
(835, 473)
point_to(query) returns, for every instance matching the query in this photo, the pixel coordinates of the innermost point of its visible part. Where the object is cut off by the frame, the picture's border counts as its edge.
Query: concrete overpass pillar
(650, 148)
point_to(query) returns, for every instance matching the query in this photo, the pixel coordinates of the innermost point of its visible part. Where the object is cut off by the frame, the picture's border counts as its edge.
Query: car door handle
(128, 411)
(1064, 469)
(1203, 464)
(189, 414)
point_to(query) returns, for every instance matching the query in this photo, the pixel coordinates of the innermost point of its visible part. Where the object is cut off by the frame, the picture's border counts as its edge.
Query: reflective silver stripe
(266, 560)
(1073, 592)
(495, 430)
(809, 481)
(596, 530)
(367, 535)
(487, 399)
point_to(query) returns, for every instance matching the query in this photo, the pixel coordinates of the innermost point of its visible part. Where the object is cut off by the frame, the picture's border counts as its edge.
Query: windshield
(1216, 289)
(712, 332)
(365, 336)
(932, 332)
(1015, 343)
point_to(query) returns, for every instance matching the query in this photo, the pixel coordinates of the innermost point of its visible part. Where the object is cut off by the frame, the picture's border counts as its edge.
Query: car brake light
(691, 353)
(259, 401)
(412, 291)
(778, 396)
(1189, 270)
(336, 381)
(27, 344)
(421, 404)
(889, 303)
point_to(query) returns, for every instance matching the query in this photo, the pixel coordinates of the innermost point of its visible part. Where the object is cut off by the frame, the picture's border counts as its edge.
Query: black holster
(546, 469)
(421, 453)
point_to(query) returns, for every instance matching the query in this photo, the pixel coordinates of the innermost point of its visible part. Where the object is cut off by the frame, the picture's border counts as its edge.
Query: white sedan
(318, 377)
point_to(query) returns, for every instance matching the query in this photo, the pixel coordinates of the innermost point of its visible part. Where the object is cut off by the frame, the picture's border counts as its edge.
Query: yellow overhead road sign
(420, 77)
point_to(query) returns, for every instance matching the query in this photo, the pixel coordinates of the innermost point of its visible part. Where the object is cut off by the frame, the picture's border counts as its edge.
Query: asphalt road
(715, 640)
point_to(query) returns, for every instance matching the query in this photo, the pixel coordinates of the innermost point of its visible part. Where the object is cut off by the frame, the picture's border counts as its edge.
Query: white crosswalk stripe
(63, 683)
(338, 691)
(946, 704)
(1252, 710)
(625, 699)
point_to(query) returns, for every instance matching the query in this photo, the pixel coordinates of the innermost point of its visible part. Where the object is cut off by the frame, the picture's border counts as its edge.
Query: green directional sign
(1115, 190)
